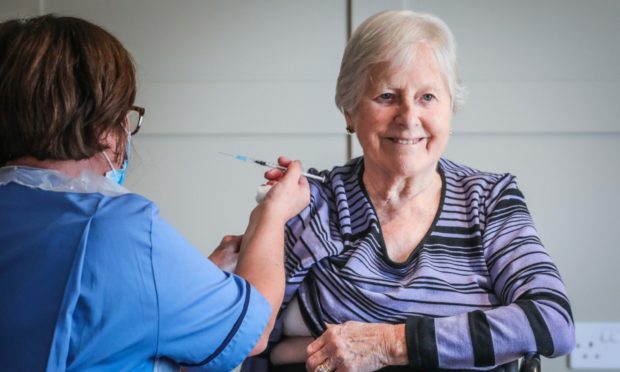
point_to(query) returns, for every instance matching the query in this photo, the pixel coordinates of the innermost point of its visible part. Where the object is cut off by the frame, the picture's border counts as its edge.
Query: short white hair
(390, 36)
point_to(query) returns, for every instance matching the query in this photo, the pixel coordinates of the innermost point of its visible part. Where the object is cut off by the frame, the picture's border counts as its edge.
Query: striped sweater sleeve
(535, 315)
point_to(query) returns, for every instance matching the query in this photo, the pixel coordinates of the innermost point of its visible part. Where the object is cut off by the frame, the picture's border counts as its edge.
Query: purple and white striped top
(479, 290)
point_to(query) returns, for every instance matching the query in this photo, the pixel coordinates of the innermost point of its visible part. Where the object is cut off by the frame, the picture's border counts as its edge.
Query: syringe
(271, 165)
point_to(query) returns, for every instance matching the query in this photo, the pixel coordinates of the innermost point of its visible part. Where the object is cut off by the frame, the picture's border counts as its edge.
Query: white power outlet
(597, 347)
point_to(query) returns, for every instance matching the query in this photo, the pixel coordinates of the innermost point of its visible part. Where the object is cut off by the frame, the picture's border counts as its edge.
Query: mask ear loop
(107, 158)
(126, 126)
(128, 145)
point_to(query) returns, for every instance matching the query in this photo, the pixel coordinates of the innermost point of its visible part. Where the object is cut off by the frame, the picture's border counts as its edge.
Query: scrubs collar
(51, 180)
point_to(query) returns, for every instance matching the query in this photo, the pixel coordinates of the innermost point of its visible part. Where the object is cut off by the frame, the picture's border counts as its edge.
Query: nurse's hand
(274, 174)
(261, 257)
(290, 192)
(226, 254)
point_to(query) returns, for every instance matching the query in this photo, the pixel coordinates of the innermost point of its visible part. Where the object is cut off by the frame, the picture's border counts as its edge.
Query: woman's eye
(428, 97)
(385, 97)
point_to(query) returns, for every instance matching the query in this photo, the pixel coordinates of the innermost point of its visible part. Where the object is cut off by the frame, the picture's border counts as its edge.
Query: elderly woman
(91, 277)
(404, 258)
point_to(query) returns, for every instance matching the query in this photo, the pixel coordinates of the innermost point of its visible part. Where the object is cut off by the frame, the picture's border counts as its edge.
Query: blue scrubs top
(92, 278)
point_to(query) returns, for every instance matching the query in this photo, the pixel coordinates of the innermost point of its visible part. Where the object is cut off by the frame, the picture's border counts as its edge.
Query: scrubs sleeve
(208, 319)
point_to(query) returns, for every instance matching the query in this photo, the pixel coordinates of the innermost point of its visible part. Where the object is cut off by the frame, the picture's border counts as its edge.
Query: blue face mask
(118, 175)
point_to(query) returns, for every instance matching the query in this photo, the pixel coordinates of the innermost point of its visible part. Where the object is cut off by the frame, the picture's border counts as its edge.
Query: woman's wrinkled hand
(290, 192)
(226, 254)
(356, 346)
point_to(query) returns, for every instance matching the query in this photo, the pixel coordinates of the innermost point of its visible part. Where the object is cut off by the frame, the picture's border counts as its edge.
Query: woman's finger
(318, 357)
(315, 346)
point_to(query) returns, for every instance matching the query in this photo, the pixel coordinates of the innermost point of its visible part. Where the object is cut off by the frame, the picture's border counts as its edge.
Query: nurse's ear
(115, 139)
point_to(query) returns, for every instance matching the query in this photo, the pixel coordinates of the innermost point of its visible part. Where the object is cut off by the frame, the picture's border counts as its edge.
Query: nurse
(91, 277)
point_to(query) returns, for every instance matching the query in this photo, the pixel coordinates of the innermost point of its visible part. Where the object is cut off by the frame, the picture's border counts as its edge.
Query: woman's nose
(407, 115)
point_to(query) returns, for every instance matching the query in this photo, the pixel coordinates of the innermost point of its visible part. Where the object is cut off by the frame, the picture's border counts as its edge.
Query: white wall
(18, 8)
(258, 78)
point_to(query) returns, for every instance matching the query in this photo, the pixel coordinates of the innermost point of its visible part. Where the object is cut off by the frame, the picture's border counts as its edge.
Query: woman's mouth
(406, 141)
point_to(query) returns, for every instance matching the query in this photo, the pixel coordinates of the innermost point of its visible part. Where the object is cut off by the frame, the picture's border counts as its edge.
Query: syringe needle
(270, 165)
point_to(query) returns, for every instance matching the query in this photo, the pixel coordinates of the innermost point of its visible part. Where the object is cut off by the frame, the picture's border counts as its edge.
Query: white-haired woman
(405, 260)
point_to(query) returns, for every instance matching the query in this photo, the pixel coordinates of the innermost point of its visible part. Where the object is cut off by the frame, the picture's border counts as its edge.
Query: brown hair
(65, 83)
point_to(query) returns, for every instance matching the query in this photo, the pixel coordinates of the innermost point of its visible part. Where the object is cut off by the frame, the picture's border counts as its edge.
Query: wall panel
(18, 8)
(229, 66)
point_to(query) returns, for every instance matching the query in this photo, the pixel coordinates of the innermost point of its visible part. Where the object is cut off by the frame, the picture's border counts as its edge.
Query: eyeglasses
(134, 119)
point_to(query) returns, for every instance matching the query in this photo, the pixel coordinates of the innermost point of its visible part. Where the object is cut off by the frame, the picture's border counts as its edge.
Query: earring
(349, 131)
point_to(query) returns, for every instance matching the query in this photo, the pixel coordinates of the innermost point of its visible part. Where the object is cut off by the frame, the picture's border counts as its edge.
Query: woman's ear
(350, 127)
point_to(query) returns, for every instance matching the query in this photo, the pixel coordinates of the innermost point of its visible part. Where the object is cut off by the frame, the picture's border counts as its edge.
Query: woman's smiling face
(403, 118)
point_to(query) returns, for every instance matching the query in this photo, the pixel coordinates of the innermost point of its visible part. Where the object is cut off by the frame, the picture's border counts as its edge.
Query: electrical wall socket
(597, 346)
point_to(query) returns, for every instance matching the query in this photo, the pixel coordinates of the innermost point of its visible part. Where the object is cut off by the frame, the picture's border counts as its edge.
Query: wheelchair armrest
(531, 363)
